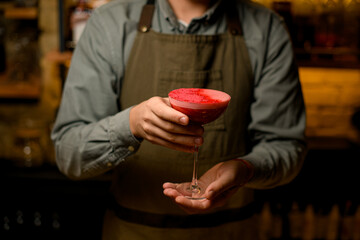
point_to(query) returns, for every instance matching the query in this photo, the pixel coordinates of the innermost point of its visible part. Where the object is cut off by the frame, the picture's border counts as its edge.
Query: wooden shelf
(337, 57)
(327, 143)
(30, 13)
(59, 57)
(31, 89)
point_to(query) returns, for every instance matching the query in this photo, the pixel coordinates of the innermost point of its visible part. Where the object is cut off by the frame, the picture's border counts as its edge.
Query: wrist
(249, 170)
(132, 122)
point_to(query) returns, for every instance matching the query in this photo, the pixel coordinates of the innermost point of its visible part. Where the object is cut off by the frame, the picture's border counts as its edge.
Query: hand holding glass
(202, 106)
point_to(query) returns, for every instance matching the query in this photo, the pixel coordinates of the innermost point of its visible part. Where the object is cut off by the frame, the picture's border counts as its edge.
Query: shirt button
(131, 148)
(109, 164)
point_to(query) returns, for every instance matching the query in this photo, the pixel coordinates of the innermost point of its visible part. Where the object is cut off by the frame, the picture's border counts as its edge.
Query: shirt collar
(169, 15)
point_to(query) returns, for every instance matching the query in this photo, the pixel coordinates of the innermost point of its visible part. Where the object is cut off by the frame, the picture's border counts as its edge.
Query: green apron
(159, 63)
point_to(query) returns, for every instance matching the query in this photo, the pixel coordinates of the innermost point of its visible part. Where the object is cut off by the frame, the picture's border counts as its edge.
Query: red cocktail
(201, 106)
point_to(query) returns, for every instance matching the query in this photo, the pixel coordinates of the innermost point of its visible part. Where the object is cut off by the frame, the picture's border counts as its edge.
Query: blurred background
(37, 38)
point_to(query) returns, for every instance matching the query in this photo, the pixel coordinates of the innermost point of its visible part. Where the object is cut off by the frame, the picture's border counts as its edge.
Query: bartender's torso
(157, 64)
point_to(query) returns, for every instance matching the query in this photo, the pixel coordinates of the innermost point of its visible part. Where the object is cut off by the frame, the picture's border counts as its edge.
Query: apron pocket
(170, 80)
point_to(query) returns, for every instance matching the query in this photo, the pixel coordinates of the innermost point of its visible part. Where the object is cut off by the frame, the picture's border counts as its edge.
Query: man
(115, 114)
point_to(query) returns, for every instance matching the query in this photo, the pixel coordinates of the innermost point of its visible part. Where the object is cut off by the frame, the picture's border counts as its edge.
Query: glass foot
(193, 192)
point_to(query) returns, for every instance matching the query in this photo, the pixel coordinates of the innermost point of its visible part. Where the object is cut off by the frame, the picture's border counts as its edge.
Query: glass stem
(194, 182)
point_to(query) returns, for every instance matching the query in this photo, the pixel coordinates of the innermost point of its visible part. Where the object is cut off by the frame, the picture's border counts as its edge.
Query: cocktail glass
(202, 106)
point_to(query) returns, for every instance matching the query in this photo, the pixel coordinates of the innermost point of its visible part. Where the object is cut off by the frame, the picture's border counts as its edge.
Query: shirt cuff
(122, 140)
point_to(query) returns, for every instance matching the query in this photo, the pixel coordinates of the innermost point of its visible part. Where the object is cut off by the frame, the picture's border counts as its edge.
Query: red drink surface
(200, 105)
(193, 95)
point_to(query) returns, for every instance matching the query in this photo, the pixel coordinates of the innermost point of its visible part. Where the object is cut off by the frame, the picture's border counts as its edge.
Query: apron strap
(146, 16)
(232, 17)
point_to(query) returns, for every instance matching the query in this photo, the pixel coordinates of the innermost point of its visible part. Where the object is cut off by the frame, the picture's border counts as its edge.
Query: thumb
(218, 187)
(180, 117)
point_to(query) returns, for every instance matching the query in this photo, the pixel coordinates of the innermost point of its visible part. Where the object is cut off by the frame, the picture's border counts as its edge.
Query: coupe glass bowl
(200, 105)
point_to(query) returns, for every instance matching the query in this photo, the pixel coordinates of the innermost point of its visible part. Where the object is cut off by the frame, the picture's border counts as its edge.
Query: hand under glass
(220, 182)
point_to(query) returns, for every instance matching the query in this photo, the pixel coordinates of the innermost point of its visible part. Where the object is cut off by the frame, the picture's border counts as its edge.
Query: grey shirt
(92, 135)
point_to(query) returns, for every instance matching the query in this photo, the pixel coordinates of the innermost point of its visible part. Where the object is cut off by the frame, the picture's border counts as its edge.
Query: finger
(174, 146)
(169, 185)
(171, 193)
(191, 129)
(218, 187)
(188, 205)
(166, 120)
(167, 113)
(181, 139)
(170, 190)
(193, 206)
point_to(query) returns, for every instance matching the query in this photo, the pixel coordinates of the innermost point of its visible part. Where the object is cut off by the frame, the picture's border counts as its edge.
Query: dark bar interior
(37, 201)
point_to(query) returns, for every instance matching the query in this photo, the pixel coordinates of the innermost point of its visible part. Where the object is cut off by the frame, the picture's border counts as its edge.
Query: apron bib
(159, 63)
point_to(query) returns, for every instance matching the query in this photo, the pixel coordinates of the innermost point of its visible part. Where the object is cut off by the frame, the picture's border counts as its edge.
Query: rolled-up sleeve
(91, 136)
(277, 113)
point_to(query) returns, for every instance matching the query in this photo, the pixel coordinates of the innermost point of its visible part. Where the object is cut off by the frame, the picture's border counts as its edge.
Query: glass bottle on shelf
(2, 43)
(309, 223)
(27, 150)
(347, 221)
(78, 19)
(265, 222)
(352, 24)
(22, 52)
(304, 14)
(333, 224)
(330, 24)
(356, 233)
(296, 221)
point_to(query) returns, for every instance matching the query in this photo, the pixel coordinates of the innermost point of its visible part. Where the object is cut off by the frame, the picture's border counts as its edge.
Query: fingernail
(183, 120)
(198, 141)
